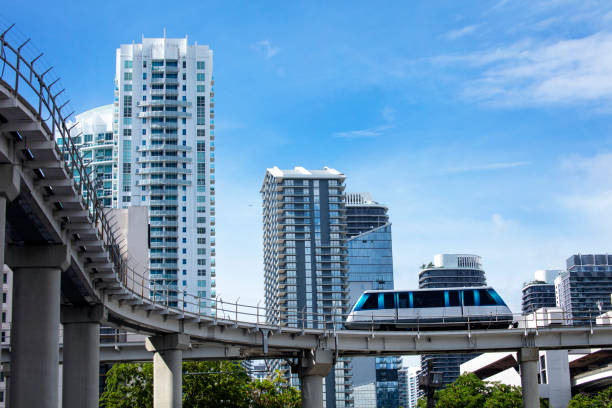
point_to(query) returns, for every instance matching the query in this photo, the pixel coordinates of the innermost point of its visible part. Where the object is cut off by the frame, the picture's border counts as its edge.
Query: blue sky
(484, 126)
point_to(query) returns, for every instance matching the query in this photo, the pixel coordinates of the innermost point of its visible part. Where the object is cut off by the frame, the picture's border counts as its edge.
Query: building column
(312, 368)
(528, 362)
(35, 324)
(168, 369)
(81, 356)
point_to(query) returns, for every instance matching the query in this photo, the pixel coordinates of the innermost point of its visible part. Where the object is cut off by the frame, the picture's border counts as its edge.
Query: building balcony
(167, 182)
(163, 170)
(157, 159)
(170, 102)
(164, 223)
(164, 114)
(163, 147)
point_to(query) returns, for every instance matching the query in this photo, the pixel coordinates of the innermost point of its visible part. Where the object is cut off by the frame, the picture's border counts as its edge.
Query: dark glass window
(371, 303)
(429, 299)
(453, 298)
(403, 299)
(468, 298)
(389, 301)
(485, 298)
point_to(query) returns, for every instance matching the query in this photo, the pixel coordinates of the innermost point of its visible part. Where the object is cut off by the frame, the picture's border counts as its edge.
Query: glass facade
(585, 287)
(304, 227)
(370, 266)
(537, 295)
(93, 136)
(448, 276)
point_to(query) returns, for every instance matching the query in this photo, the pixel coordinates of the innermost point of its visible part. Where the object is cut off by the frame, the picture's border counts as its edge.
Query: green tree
(468, 391)
(503, 396)
(215, 384)
(206, 384)
(602, 399)
(128, 385)
(275, 393)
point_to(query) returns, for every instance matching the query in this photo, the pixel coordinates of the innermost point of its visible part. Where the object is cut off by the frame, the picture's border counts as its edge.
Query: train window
(453, 298)
(371, 303)
(433, 298)
(468, 298)
(389, 300)
(485, 298)
(498, 299)
(404, 300)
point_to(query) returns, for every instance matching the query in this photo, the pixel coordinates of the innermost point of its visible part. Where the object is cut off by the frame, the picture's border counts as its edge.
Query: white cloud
(460, 32)
(486, 167)
(530, 73)
(362, 133)
(267, 48)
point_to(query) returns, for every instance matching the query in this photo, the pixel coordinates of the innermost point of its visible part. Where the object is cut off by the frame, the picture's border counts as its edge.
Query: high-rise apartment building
(448, 271)
(304, 227)
(409, 392)
(585, 287)
(370, 266)
(164, 128)
(539, 292)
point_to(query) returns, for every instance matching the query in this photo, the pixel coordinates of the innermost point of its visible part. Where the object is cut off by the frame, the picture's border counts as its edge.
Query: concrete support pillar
(528, 362)
(81, 356)
(168, 369)
(35, 324)
(312, 368)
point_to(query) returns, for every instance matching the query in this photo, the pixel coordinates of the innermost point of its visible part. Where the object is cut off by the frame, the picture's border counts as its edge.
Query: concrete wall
(133, 227)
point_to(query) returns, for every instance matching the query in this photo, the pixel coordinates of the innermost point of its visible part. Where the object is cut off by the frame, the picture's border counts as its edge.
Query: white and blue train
(424, 309)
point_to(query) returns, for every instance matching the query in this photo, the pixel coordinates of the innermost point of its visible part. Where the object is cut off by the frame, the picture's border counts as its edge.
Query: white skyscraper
(164, 127)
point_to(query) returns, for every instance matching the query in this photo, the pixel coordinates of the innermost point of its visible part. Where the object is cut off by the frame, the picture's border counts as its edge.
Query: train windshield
(367, 301)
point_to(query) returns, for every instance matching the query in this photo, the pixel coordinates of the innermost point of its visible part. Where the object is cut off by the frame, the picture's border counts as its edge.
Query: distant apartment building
(305, 271)
(164, 136)
(540, 292)
(585, 287)
(448, 271)
(370, 266)
(409, 392)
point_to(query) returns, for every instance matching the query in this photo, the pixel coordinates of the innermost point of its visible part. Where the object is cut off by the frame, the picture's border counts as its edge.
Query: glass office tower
(304, 228)
(370, 266)
(164, 127)
(448, 271)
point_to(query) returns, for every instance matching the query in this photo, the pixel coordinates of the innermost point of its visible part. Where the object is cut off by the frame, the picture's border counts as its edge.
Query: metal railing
(18, 74)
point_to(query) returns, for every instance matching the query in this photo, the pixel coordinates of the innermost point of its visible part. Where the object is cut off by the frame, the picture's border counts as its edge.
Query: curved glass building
(93, 136)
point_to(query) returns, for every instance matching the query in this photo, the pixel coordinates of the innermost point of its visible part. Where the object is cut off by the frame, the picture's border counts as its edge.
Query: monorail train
(448, 308)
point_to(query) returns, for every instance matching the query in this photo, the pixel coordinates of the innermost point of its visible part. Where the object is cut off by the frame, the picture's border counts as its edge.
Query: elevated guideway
(68, 268)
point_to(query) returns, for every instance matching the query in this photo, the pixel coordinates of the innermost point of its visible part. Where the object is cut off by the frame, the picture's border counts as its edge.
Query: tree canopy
(468, 391)
(215, 384)
(602, 399)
